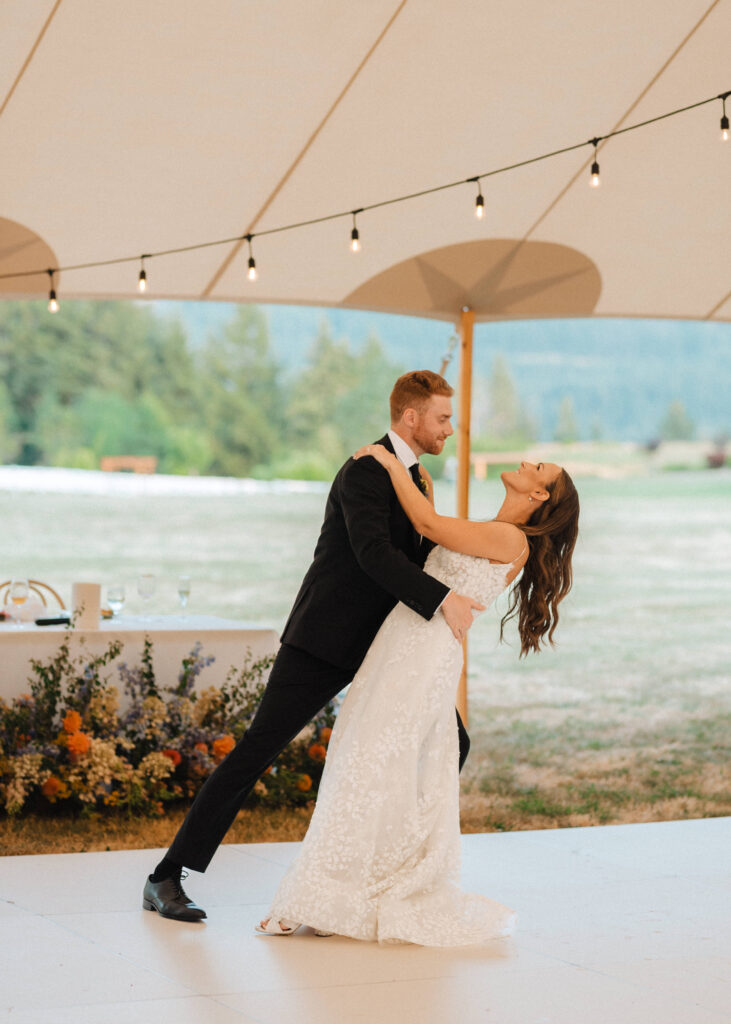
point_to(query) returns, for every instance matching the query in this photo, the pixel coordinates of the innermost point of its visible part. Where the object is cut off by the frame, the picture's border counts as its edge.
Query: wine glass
(183, 592)
(115, 598)
(18, 594)
(146, 588)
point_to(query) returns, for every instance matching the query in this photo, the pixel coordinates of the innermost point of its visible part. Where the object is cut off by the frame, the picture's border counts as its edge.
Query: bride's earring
(529, 498)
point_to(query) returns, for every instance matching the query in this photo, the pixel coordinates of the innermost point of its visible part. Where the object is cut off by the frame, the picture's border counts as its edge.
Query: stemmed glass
(115, 599)
(183, 592)
(146, 588)
(18, 594)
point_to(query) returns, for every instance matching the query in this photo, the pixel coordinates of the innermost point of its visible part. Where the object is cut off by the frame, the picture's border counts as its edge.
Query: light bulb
(724, 128)
(52, 302)
(480, 206)
(252, 274)
(595, 182)
(142, 281)
(354, 240)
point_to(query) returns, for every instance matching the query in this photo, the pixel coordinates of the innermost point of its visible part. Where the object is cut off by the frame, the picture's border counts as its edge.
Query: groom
(368, 557)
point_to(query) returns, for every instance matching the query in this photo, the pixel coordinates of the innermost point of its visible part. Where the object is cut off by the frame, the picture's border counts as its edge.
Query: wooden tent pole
(466, 325)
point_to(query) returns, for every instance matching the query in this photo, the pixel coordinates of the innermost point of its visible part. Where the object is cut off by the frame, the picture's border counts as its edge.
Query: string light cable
(354, 235)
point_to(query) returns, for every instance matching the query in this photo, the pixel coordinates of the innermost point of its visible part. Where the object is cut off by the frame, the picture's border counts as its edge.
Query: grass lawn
(557, 766)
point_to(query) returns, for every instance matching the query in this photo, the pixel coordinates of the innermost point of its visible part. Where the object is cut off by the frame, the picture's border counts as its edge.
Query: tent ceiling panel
(445, 97)
(22, 249)
(21, 24)
(496, 278)
(135, 129)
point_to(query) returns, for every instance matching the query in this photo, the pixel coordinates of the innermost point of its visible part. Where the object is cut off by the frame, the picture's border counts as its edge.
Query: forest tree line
(113, 378)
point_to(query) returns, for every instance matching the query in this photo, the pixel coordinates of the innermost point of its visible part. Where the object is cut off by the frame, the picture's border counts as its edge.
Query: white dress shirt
(402, 451)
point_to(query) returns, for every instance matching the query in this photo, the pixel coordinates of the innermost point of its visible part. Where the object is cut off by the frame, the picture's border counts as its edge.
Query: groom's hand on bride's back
(457, 610)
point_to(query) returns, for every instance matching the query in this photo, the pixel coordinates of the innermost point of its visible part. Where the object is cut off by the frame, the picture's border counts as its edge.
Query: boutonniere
(424, 486)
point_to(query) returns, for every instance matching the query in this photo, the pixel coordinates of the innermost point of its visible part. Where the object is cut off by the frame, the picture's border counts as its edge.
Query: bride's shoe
(283, 927)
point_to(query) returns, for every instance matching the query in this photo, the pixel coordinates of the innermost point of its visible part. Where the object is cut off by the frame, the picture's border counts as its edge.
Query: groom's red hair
(414, 389)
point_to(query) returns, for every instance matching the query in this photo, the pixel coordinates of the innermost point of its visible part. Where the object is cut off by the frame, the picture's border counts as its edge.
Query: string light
(142, 279)
(251, 274)
(354, 235)
(479, 201)
(594, 181)
(724, 120)
(52, 300)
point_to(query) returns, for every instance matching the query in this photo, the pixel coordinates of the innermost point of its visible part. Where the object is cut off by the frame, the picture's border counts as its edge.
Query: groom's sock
(166, 869)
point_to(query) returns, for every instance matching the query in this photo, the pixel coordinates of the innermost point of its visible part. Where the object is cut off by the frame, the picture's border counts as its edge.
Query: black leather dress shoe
(169, 899)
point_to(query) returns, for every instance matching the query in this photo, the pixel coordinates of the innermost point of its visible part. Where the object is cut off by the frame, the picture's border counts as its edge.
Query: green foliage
(676, 425)
(336, 404)
(111, 378)
(567, 429)
(241, 397)
(505, 424)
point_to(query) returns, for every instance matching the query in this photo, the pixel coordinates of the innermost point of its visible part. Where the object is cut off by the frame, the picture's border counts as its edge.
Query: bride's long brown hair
(546, 578)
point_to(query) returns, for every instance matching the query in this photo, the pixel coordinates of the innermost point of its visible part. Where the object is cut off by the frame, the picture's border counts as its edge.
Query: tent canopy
(137, 127)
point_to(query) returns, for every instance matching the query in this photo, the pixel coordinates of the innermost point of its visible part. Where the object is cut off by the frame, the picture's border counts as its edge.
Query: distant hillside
(621, 375)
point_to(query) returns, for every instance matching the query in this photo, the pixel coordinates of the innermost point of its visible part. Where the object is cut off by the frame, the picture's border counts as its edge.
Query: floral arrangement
(68, 744)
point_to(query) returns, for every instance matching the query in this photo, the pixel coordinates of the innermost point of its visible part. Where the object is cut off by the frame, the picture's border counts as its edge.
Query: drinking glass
(146, 588)
(183, 591)
(18, 594)
(115, 599)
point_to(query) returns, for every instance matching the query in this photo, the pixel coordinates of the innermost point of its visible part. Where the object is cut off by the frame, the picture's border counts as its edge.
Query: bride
(381, 857)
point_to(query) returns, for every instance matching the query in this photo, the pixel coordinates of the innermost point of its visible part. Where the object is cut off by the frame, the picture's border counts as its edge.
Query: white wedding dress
(381, 858)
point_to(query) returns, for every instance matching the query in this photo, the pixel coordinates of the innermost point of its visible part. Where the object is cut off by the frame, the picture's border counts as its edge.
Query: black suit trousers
(299, 686)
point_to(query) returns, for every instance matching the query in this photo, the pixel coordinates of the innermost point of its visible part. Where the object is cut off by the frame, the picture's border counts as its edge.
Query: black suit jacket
(367, 558)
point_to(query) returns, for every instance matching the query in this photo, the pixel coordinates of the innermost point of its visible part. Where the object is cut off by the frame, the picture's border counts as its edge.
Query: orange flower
(268, 770)
(78, 743)
(201, 748)
(72, 721)
(325, 734)
(51, 787)
(222, 746)
(304, 782)
(317, 752)
(174, 756)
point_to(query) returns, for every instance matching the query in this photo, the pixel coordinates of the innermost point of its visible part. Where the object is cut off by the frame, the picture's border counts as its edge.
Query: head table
(172, 636)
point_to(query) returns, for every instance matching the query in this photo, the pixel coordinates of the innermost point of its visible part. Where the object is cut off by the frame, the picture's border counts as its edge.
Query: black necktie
(416, 477)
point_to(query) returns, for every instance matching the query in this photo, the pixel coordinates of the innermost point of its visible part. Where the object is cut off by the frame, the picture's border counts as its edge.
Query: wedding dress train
(381, 858)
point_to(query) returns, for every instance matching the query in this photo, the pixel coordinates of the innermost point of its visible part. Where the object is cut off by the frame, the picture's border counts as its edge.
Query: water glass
(146, 583)
(115, 598)
(183, 591)
(18, 594)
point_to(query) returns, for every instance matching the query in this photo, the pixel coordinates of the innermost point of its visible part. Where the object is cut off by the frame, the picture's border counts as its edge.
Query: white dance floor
(625, 924)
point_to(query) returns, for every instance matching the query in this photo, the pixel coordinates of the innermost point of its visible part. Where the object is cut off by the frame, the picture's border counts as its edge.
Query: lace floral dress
(381, 858)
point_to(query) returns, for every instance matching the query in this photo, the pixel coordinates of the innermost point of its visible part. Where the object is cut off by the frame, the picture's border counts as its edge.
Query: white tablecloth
(173, 637)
